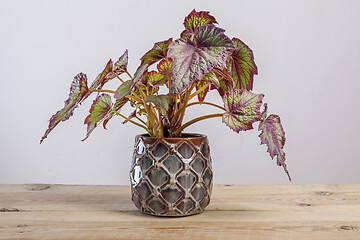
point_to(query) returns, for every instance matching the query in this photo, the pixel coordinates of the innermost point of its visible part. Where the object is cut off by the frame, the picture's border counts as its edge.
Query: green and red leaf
(156, 78)
(193, 59)
(126, 87)
(78, 92)
(273, 135)
(99, 111)
(158, 52)
(242, 66)
(243, 109)
(165, 66)
(211, 78)
(117, 106)
(201, 96)
(220, 79)
(104, 76)
(120, 65)
(194, 20)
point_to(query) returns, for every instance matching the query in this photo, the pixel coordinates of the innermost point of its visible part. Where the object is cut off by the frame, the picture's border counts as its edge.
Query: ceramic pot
(171, 176)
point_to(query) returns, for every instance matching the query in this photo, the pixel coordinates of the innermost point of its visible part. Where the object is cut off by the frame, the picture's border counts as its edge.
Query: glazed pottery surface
(171, 176)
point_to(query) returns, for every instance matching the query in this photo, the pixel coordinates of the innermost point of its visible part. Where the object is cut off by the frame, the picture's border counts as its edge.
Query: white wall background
(307, 52)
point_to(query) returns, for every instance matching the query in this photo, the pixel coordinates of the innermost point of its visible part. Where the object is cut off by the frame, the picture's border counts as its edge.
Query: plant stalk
(179, 130)
(133, 122)
(206, 103)
(101, 90)
(200, 90)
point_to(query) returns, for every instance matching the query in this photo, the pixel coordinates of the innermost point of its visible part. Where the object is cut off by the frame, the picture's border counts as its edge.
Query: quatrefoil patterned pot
(171, 176)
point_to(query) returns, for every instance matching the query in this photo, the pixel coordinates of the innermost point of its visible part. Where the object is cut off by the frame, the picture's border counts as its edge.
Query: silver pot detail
(171, 176)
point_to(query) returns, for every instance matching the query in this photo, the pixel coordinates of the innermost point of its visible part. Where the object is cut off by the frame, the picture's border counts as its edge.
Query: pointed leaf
(193, 59)
(273, 135)
(107, 74)
(201, 96)
(242, 66)
(99, 110)
(117, 106)
(139, 72)
(121, 65)
(194, 20)
(243, 109)
(156, 78)
(159, 100)
(125, 88)
(78, 91)
(103, 77)
(158, 52)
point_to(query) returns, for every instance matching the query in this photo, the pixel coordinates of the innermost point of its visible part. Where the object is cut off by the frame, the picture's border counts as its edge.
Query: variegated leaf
(139, 72)
(99, 111)
(117, 106)
(125, 88)
(120, 65)
(201, 96)
(243, 109)
(103, 77)
(156, 78)
(211, 78)
(220, 79)
(193, 59)
(194, 20)
(273, 135)
(159, 100)
(242, 66)
(165, 66)
(78, 91)
(158, 52)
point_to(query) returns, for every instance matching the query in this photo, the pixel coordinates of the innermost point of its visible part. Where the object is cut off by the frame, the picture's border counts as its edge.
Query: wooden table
(236, 212)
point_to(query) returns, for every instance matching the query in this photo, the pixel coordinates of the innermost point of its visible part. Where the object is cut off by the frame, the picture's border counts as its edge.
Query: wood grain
(235, 212)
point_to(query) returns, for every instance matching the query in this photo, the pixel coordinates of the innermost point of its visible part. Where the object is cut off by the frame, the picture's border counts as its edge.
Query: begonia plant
(175, 75)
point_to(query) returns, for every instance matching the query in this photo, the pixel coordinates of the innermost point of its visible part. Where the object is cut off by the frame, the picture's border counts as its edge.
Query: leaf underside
(78, 92)
(272, 135)
(243, 109)
(193, 59)
(242, 66)
(99, 110)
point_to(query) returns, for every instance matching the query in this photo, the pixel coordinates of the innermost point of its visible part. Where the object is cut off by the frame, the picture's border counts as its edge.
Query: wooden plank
(235, 212)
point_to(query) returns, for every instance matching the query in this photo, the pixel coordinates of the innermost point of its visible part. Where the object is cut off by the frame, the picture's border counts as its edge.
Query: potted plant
(171, 171)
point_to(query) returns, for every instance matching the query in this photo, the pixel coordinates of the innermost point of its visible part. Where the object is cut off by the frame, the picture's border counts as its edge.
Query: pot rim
(183, 136)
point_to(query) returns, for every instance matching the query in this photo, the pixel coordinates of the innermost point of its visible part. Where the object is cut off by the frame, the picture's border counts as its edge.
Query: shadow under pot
(171, 176)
